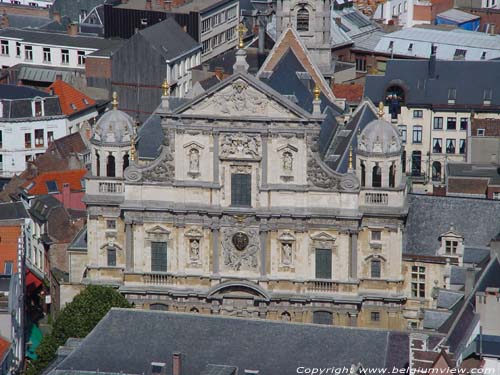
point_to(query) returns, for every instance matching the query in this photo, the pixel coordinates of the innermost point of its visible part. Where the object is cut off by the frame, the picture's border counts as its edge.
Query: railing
(322, 286)
(157, 279)
(111, 187)
(379, 199)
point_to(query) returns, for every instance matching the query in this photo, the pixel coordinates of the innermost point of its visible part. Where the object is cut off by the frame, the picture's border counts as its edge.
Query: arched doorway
(436, 171)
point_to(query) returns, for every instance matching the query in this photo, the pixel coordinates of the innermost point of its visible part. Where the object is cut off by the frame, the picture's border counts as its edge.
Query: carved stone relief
(240, 146)
(194, 238)
(240, 248)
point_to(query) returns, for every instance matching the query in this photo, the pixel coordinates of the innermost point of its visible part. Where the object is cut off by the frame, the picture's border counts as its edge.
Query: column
(385, 173)
(215, 250)
(353, 272)
(263, 253)
(129, 247)
(216, 159)
(369, 172)
(264, 163)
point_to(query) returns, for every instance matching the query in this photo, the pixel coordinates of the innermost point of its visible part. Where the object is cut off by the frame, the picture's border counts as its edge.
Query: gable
(240, 98)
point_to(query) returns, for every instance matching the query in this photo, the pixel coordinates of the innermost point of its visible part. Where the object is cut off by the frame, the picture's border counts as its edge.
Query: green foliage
(77, 319)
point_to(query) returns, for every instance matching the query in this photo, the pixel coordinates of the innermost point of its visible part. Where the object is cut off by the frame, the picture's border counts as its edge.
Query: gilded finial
(132, 148)
(316, 92)
(165, 87)
(114, 103)
(241, 32)
(381, 109)
(350, 157)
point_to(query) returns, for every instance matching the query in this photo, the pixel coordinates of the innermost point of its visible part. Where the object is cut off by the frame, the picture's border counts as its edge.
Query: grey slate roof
(434, 319)
(72, 8)
(20, 92)
(79, 243)
(489, 172)
(474, 255)
(448, 298)
(458, 16)
(169, 39)
(21, 21)
(268, 346)
(420, 89)
(13, 211)
(478, 220)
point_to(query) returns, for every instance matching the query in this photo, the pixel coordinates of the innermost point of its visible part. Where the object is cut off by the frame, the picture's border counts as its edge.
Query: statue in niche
(288, 162)
(194, 160)
(194, 249)
(286, 251)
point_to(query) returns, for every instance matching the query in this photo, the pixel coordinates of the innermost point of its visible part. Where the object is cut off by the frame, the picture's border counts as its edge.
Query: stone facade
(247, 246)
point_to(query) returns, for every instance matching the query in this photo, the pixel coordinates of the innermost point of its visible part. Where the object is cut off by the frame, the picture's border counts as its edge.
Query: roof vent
(252, 372)
(158, 368)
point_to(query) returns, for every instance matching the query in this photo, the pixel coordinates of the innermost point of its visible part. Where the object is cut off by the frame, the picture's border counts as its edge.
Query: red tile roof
(352, 92)
(71, 177)
(4, 346)
(71, 100)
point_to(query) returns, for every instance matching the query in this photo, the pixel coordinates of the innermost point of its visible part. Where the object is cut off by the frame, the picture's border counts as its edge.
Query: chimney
(177, 363)
(338, 21)
(72, 29)
(5, 20)
(262, 35)
(219, 73)
(167, 4)
(66, 195)
(148, 5)
(432, 62)
(470, 280)
(56, 16)
(58, 76)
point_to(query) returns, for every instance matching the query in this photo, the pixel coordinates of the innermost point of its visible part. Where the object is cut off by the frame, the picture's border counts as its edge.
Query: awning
(42, 75)
(32, 281)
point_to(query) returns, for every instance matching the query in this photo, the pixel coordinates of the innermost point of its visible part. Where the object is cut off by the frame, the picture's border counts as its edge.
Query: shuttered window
(158, 256)
(241, 190)
(323, 264)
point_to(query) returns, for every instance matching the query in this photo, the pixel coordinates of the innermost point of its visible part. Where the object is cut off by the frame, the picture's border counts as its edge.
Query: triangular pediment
(243, 97)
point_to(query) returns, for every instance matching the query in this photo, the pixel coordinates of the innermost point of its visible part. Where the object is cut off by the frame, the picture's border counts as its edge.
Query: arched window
(158, 307)
(194, 310)
(303, 19)
(392, 175)
(436, 171)
(377, 176)
(98, 163)
(285, 316)
(110, 166)
(323, 317)
(125, 161)
(363, 174)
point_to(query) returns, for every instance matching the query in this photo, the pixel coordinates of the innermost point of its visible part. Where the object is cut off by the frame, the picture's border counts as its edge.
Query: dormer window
(451, 247)
(38, 108)
(303, 20)
(452, 243)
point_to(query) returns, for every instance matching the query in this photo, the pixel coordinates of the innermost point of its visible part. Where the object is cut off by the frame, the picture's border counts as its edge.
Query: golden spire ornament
(380, 109)
(114, 103)
(316, 92)
(165, 87)
(241, 32)
(350, 157)
(133, 151)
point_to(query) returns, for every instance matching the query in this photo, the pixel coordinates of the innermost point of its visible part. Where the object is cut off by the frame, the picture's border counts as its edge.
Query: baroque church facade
(262, 199)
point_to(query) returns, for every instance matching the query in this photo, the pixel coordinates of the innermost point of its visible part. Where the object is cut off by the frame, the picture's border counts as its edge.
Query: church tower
(311, 19)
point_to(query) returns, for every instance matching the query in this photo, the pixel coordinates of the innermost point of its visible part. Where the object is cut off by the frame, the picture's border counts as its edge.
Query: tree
(77, 319)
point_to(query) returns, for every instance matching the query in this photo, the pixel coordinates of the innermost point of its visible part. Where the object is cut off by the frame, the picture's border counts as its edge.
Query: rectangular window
(376, 235)
(451, 123)
(81, 58)
(27, 140)
(230, 33)
(417, 134)
(111, 257)
(464, 122)
(361, 64)
(375, 269)
(418, 113)
(206, 46)
(18, 49)
(38, 108)
(50, 136)
(402, 133)
(461, 146)
(46, 55)
(460, 54)
(28, 53)
(438, 123)
(323, 264)
(158, 256)
(437, 145)
(241, 190)
(450, 146)
(418, 281)
(5, 47)
(64, 56)
(451, 247)
(205, 25)
(480, 132)
(375, 316)
(39, 138)
(8, 266)
(496, 195)
(1, 162)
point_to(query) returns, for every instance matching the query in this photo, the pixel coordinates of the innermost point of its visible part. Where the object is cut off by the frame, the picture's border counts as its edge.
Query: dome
(379, 137)
(114, 127)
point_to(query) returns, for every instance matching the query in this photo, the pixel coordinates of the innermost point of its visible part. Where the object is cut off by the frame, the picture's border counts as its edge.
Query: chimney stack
(72, 29)
(66, 195)
(56, 16)
(177, 363)
(432, 62)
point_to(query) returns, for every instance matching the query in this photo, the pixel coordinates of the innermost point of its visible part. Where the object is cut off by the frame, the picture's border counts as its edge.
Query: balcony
(377, 199)
(322, 286)
(111, 187)
(157, 279)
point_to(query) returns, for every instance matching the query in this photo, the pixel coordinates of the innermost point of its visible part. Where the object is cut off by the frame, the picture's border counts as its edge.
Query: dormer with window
(452, 244)
(37, 107)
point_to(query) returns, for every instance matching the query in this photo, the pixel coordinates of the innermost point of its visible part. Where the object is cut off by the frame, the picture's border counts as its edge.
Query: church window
(323, 317)
(303, 20)
(377, 176)
(241, 190)
(111, 253)
(158, 256)
(323, 264)
(418, 281)
(375, 268)
(110, 166)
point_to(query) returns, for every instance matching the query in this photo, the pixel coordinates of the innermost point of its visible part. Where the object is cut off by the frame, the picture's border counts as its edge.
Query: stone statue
(286, 250)
(194, 160)
(194, 249)
(287, 162)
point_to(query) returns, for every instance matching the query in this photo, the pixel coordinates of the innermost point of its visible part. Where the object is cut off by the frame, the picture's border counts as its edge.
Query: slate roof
(71, 100)
(69, 144)
(79, 243)
(12, 211)
(168, 38)
(448, 298)
(474, 255)
(353, 24)
(490, 172)
(268, 346)
(478, 220)
(434, 319)
(72, 8)
(421, 89)
(21, 21)
(13, 92)
(458, 16)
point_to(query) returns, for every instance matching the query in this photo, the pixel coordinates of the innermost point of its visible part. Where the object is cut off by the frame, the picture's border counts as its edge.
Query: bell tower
(311, 19)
